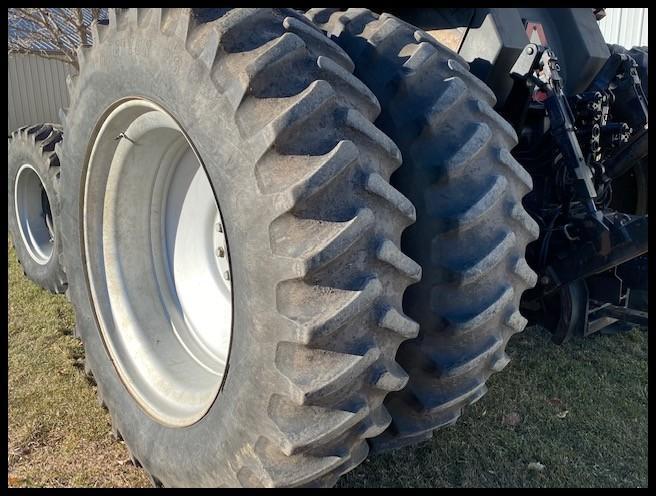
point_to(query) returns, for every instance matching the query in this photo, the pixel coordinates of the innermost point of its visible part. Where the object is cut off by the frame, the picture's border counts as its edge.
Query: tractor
(293, 238)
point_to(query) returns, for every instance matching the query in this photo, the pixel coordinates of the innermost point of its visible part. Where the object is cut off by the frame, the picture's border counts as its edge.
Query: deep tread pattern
(469, 271)
(391, 319)
(388, 252)
(315, 426)
(316, 373)
(341, 294)
(471, 232)
(376, 185)
(318, 324)
(40, 142)
(275, 469)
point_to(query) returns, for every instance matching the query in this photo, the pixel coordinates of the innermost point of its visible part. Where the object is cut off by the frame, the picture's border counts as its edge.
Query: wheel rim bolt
(219, 227)
(220, 252)
(226, 275)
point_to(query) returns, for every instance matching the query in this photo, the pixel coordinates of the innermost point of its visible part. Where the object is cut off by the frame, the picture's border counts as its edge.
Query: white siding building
(626, 27)
(36, 90)
(37, 86)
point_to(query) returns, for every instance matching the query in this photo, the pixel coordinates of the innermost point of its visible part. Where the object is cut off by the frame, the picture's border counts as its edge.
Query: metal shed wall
(626, 26)
(36, 90)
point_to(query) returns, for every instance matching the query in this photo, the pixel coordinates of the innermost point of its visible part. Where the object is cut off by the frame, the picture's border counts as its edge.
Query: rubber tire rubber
(36, 145)
(471, 232)
(318, 277)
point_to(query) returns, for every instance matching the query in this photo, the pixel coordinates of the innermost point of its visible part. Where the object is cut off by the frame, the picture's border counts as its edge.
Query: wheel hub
(33, 213)
(158, 262)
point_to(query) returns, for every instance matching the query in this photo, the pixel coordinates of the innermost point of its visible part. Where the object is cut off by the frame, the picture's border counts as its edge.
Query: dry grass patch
(58, 434)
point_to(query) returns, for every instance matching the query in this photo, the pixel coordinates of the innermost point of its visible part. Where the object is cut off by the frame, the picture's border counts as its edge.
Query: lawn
(572, 415)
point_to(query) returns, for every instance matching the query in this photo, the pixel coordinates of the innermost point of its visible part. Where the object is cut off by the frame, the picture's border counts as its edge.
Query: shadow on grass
(580, 410)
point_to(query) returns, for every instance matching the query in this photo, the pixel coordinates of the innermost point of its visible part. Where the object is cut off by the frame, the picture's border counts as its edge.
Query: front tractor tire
(233, 243)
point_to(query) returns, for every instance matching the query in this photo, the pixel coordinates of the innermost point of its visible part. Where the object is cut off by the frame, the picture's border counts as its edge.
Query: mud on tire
(471, 231)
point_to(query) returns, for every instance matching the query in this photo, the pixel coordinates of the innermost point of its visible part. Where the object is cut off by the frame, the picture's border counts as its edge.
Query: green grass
(600, 381)
(59, 436)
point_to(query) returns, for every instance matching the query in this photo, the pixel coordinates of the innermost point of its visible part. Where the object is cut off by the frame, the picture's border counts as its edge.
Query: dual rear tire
(234, 243)
(471, 231)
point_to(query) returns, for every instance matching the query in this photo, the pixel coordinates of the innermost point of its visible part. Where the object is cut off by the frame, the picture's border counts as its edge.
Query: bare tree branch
(81, 28)
(59, 32)
(66, 44)
(42, 54)
(51, 33)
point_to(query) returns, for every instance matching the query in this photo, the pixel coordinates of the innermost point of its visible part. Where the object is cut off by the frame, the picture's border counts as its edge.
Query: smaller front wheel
(33, 204)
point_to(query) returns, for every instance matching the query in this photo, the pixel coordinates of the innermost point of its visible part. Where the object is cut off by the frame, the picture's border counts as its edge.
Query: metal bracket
(122, 136)
(624, 314)
(620, 75)
(561, 120)
(627, 239)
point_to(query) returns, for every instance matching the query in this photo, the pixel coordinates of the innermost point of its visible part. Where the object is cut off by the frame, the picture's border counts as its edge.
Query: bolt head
(529, 50)
(226, 275)
(544, 280)
(219, 227)
(220, 252)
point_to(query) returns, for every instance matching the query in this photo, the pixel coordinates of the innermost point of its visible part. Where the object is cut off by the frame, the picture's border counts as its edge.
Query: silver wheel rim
(157, 262)
(33, 213)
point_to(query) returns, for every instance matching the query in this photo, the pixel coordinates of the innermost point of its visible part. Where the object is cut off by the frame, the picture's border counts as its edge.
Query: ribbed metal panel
(625, 26)
(36, 90)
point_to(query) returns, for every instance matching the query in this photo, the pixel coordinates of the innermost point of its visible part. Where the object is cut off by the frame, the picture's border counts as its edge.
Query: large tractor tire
(471, 231)
(233, 243)
(33, 204)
